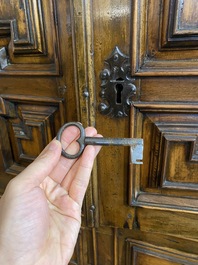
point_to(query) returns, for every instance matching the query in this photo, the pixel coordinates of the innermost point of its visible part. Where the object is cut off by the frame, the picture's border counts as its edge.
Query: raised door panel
(139, 253)
(168, 177)
(29, 38)
(28, 124)
(169, 46)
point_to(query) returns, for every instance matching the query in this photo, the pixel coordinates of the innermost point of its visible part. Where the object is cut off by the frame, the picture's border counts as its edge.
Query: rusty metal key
(136, 144)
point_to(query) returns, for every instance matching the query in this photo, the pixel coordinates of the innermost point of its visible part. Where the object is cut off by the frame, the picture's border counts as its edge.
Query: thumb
(37, 171)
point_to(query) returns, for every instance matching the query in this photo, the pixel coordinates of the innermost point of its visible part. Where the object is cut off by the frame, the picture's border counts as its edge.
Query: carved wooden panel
(25, 134)
(139, 253)
(165, 37)
(169, 174)
(29, 43)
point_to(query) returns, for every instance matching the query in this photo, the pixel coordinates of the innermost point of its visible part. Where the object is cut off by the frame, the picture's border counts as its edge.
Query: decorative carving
(117, 88)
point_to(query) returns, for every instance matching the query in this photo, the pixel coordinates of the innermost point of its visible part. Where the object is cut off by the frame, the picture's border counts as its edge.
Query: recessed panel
(179, 171)
(186, 18)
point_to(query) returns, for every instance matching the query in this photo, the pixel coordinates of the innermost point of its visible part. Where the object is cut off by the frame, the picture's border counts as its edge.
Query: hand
(40, 211)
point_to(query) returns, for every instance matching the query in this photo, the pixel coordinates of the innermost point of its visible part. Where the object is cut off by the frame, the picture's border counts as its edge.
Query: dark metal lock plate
(117, 88)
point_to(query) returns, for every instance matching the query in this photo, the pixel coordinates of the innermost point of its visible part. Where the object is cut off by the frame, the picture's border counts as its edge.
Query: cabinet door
(141, 214)
(52, 54)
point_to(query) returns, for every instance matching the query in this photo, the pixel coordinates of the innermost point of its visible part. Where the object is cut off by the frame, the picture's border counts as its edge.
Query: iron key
(136, 144)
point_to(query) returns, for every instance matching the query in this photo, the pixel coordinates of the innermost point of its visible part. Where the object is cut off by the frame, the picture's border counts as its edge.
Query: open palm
(40, 211)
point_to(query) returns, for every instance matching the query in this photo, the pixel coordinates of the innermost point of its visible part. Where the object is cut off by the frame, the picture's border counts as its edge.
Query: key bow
(80, 140)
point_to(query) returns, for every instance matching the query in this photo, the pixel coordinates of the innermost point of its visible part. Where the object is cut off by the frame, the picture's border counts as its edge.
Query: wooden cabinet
(51, 56)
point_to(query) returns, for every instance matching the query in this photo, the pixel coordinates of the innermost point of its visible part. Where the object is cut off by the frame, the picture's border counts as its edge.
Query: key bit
(137, 154)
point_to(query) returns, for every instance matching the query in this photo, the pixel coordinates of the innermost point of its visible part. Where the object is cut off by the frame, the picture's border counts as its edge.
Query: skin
(40, 211)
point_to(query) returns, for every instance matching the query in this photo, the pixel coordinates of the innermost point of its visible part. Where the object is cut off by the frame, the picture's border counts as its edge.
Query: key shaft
(113, 141)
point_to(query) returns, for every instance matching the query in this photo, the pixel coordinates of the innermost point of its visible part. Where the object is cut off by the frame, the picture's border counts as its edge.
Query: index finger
(68, 142)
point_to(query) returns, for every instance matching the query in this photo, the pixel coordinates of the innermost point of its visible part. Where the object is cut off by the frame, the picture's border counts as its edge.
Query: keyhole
(119, 88)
